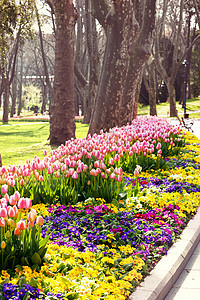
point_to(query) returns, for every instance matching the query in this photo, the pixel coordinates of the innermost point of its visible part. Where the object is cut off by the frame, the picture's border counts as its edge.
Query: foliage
(8, 13)
(20, 237)
(31, 96)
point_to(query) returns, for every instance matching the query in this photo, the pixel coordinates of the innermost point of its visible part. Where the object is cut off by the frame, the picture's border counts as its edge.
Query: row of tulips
(94, 166)
(20, 232)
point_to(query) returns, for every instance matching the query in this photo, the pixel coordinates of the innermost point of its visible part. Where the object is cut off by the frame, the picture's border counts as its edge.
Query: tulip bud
(3, 245)
(17, 231)
(8, 234)
(2, 222)
(39, 220)
(4, 189)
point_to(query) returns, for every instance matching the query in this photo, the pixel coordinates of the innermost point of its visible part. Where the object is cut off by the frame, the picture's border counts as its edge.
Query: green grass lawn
(22, 139)
(163, 108)
(19, 141)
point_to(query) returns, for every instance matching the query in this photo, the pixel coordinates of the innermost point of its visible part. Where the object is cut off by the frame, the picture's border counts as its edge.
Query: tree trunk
(6, 100)
(44, 98)
(14, 96)
(47, 81)
(91, 34)
(121, 31)
(172, 98)
(128, 46)
(62, 113)
(20, 85)
(151, 88)
(140, 54)
(136, 97)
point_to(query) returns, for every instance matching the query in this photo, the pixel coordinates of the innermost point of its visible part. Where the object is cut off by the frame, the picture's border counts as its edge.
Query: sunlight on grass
(24, 139)
(163, 108)
(20, 141)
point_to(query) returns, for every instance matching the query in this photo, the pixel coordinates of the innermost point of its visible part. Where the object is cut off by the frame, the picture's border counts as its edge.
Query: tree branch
(101, 9)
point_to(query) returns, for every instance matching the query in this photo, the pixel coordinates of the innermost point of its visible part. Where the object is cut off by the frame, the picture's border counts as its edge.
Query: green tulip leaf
(36, 259)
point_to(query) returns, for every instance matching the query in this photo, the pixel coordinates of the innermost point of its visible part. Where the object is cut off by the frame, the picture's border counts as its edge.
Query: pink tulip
(45, 152)
(71, 171)
(50, 170)
(12, 200)
(6, 196)
(10, 223)
(2, 222)
(75, 175)
(39, 221)
(136, 172)
(112, 176)
(24, 203)
(41, 178)
(63, 168)
(11, 212)
(158, 146)
(118, 178)
(16, 196)
(31, 217)
(110, 162)
(93, 172)
(4, 189)
(21, 225)
(3, 170)
(16, 211)
(79, 170)
(22, 182)
(96, 164)
(116, 158)
(26, 172)
(3, 212)
(11, 181)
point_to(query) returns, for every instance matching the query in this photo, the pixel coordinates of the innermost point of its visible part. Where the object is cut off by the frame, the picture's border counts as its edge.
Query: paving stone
(189, 279)
(183, 294)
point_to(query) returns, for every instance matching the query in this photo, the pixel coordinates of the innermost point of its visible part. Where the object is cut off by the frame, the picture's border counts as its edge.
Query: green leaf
(36, 259)
(115, 202)
(33, 282)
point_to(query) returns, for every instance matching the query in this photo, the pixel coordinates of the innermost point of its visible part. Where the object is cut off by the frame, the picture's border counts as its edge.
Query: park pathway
(177, 275)
(188, 284)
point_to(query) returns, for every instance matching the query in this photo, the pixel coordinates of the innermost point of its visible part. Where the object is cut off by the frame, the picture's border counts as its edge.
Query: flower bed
(107, 223)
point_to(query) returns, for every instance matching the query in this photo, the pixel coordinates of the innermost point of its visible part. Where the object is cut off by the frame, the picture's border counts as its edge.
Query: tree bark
(6, 100)
(121, 30)
(20, 84)
(129, 28)
(141, 51)
(47, 82)
(151, 88)
(14, 95)
(91, 35)
(62, 112)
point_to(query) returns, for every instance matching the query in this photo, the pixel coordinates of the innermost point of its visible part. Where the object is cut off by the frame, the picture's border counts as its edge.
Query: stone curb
(161, 279)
